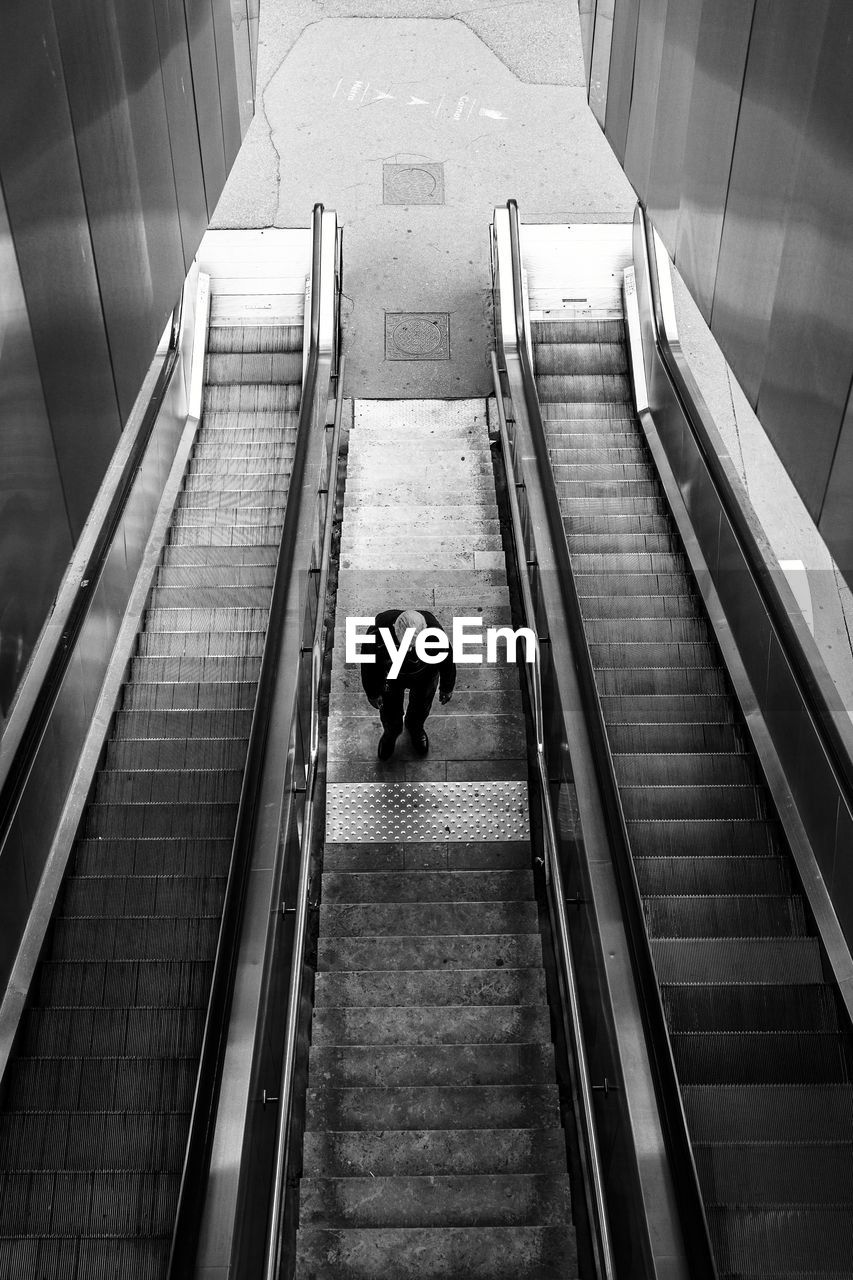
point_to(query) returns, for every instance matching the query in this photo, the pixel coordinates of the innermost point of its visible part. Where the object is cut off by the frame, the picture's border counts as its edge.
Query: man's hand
(376, 702)
(444, 698)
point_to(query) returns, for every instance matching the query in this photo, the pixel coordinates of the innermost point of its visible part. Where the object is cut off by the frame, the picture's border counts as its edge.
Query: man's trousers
(422, 689)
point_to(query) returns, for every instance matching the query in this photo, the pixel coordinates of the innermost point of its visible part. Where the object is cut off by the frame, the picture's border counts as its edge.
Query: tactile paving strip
(383, 811)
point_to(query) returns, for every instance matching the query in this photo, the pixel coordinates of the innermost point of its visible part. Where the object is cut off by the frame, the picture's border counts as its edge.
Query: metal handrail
(686, 1179)
(593, 1182)
(836, 741)
(275, 1231)
(202, 1123)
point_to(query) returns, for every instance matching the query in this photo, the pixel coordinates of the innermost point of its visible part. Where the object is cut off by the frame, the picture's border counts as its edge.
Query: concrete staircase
(433, 1143)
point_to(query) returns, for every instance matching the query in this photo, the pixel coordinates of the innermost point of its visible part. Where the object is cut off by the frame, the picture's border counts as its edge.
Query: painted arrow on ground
(492, 115)
(418, 102)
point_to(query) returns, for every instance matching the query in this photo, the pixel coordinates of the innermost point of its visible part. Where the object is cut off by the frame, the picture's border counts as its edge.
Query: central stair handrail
(686, 1180)
(590, 1156)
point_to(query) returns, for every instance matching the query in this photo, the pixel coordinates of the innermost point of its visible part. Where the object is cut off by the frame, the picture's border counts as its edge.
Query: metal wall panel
(807, 373)
(224, 37)
(599, 70)
(620, 83)
(779, 78)
(244, 56)
(49, 224)
(671, 114)
(836, 517)
(721, 50)
(184, 144)
(30, 489)
(208, 105)
(651, 24)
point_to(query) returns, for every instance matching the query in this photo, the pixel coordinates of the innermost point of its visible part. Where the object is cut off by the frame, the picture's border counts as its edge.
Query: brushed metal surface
(721, 51)
(599, 65)
(48, 219)
(225, 35)
(30, 488)
(620, 83)
(672, 107)
(202, 42)
(807, 374)
(778, 84)
(836, 516)
(384, 811)
(645, 94)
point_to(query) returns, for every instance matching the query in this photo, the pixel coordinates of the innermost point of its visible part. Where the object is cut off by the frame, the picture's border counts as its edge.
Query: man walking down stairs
(433, 1145)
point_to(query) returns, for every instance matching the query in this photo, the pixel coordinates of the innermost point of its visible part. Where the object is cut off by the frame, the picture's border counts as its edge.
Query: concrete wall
(731, 120)
(119, 123)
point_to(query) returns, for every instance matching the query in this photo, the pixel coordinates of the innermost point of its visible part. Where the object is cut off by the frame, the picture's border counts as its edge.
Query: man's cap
(409, 618)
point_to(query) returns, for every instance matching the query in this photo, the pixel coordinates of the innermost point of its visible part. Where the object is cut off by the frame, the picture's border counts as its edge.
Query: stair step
(400, 919)
(435, 1024)
(343, 1153)
(432, 1253)
(433, 1107)
(422, 987)
(426, 886)
(478, 951)
(441, 1200)
(375, 1066)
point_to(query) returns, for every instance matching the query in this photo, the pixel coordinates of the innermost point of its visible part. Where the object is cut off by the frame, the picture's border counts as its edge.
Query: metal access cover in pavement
(417, 335)
(413, 183)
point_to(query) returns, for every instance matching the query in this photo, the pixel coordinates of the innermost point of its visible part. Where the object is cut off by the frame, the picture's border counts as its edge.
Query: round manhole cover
(414, 185)
(417, 337)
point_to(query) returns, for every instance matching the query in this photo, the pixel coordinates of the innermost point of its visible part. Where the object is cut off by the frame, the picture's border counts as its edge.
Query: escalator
(759, 1034)
(99, 1093)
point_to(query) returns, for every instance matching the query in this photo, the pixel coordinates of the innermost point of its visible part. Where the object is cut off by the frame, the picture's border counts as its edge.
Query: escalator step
(201, 597)
(83, 1203)
(649, 632)
(590, 388)
(194, 669)
(760, 1057)
(161, 896)
(176, 753)
(152, 857)
(215, 575)
(750, 1006)
(579, 471)
(99, 1033)
(728, 959)
(770, 1113)
(212, 618)
(264, 485)
(621, 543)
(776, 1173)
(200, 644)
(578, 330)
(187, 697)
(249, 367)
(149, 1142)
(169, 820)
(650, 653)
(662, 803)
(715, 875)
(595, 524)
(638, 585)
(119, 983)
(134, 938)
(182, 723)
(255, 337)
(726, 916)
(694, 736)
(251, 397)
(230, 427)
(703, 837)
(66, 1083)
(670, 681)
(580, 357)
(597, 411)
(684, 769)
(574, 491)
(612, 605)
(783, 1241)
(235, 535)
(214, 556)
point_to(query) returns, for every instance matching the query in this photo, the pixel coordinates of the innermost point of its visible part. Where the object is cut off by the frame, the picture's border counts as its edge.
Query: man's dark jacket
(375, 674)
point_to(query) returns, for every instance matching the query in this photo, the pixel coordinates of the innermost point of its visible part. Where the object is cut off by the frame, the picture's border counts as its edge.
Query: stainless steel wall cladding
(118, 124)
(731, 120)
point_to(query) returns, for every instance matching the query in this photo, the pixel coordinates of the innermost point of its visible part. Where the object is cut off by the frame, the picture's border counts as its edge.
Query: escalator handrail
(275, 1231)
(591, 1158)
(193, 1187)
(13, 779)
(685, 1177)
(837, 743)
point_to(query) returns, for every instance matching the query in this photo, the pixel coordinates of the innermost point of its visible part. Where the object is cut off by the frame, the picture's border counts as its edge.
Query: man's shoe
(385, 750)
(420, 741)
